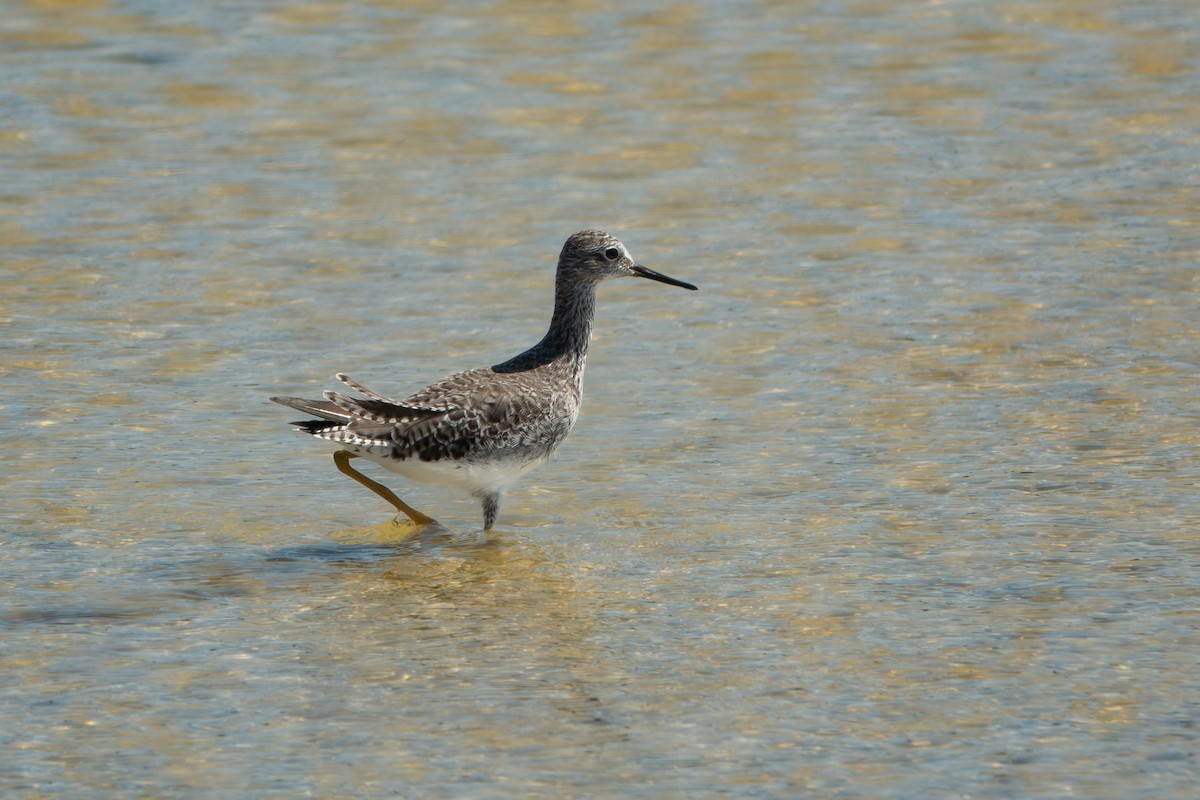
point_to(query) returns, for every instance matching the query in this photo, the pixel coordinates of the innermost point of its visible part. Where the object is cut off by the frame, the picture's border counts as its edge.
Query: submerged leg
(491, 507)
(342, 459)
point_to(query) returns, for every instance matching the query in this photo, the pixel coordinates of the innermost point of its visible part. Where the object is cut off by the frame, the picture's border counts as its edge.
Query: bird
(481, 430)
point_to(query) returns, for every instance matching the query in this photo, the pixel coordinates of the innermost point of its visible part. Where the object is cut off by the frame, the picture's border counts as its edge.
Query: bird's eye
(612, 254)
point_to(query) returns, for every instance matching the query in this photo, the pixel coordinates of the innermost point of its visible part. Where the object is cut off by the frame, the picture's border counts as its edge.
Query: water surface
(902, 503)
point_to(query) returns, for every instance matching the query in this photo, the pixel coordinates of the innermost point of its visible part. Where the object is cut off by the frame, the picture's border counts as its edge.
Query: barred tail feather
(318, 408)
(358, 387)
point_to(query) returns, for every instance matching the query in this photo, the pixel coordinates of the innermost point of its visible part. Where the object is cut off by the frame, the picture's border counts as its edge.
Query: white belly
(474, 477)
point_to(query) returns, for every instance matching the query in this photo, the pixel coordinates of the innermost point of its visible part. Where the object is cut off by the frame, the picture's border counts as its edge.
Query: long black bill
(646, 272)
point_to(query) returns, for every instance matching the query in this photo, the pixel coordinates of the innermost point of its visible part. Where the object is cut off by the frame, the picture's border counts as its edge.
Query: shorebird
(483, 429)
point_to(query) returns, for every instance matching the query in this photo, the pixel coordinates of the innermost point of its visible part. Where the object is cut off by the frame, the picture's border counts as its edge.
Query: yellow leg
(342, 459)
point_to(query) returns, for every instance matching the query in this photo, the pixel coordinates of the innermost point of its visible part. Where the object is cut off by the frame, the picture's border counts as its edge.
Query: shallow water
(902, 503)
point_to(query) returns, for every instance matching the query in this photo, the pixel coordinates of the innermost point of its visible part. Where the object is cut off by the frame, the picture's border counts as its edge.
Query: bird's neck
(571, 326)
(566, 342)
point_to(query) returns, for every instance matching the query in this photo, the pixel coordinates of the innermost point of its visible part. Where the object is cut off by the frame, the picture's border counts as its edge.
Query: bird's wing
(443, 420)
(385, 412)
(454, 392)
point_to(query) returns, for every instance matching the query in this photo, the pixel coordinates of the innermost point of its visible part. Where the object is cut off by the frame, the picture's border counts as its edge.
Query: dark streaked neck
(570, 328)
